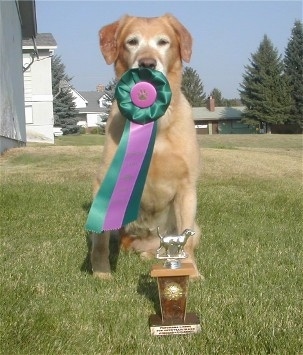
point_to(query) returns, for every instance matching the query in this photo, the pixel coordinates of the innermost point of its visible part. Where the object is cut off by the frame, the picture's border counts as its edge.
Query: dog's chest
(166, 172)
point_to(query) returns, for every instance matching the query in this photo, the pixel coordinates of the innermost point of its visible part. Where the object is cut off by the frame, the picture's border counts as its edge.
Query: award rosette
(143, 96)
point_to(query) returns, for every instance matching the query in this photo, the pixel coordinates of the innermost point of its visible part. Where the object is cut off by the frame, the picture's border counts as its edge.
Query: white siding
(92, 119)
(28, 114)
(27, 78)
(79, 101)
(38, 96)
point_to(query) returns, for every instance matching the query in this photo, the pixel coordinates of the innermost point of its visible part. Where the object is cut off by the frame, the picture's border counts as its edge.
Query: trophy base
(191, 325)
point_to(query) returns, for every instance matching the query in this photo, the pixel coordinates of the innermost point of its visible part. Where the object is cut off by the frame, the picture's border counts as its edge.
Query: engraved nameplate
(191, 325)
(176, 329)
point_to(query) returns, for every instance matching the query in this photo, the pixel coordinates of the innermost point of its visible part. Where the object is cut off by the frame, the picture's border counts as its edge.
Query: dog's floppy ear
(108, 42)
(185, 38)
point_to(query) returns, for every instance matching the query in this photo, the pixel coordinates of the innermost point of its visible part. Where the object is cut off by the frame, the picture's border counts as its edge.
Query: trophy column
(172, 279)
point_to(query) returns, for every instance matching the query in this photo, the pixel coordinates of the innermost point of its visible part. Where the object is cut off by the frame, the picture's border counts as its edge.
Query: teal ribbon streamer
(99, 216)
(100, 203)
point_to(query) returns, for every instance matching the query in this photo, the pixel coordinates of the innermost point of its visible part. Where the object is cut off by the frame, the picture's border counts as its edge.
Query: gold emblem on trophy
(172, 291)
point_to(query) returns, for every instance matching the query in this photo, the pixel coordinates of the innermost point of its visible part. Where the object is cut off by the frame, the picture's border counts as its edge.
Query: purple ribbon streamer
(135, 152)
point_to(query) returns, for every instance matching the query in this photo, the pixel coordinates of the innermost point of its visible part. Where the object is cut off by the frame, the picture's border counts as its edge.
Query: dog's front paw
(197, 277)
(145, 255)
(102, 275)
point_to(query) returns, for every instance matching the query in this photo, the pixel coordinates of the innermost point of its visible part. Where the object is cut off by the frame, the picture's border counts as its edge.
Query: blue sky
(225, 34)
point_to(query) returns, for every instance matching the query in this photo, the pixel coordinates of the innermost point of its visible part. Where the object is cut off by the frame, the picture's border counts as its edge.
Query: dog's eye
(162, 42)
(132, 42)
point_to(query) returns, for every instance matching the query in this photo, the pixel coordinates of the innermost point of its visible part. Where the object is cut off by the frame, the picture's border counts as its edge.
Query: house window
(201, 125)
(26, 62)
(28, 114)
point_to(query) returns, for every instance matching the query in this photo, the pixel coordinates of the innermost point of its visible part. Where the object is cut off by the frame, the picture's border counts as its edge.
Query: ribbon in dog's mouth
(143, 95)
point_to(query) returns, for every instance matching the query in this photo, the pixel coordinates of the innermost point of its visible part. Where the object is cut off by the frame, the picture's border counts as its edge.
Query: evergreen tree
(107, 101)
(264, 90)
(109, 96)
(217, 95)
(293, 62)
(232, 102)
(64, 107)
(192, 87)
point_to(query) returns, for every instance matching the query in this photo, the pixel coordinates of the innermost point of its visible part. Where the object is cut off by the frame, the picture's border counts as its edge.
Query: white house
(17, 21)
(38, 95)
(91, 107)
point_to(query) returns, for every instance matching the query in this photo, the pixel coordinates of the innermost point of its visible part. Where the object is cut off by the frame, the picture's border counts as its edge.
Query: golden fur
(169, 196)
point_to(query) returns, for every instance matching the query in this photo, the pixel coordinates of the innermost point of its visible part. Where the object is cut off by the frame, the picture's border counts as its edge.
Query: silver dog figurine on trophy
(173, 246)
(172, 279)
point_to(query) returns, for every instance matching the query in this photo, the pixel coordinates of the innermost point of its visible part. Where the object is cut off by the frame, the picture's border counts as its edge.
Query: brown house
(220, 120)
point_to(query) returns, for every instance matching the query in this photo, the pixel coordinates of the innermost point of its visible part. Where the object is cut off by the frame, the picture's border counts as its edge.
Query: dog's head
(159, 43)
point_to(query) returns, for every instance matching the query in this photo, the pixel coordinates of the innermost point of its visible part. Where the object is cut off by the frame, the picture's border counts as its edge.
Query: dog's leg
(189, 248)
(185, 209)
(100, 255)
(185, 206)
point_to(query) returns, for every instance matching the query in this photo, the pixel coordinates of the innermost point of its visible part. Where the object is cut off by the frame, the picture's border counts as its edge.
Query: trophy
(172, 278)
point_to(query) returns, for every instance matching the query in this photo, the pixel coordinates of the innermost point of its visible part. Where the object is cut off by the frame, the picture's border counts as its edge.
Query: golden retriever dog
(169, 198)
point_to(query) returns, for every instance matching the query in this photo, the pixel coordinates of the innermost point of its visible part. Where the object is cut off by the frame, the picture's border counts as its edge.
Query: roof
(77, 93)
(220, 113)
(43, 40)
(92, 97)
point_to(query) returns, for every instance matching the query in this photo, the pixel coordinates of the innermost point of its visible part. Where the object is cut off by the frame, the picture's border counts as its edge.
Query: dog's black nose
(147, 63)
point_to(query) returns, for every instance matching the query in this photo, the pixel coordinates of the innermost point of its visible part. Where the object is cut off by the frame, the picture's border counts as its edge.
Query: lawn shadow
(86, 206)
(114, 248)
(148, 287)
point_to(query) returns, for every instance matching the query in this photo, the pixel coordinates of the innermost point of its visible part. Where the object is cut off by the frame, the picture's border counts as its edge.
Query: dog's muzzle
(149, 63)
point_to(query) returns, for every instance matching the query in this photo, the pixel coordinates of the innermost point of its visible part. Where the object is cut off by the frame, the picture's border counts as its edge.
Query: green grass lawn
(223, 141)
(81, 139)
(250, 212)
